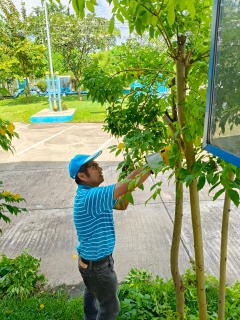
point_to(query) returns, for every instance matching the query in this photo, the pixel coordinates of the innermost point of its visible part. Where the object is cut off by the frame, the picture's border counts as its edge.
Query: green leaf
(191, 8)
(153, 20)
(79, 6)
(171, 15)
(118, 152)
(138, 26)
(111, 25)
(209, 178)
(203, 93)
(218, 194)
(142, 13)
(234, 196)
(182, 5)
(90, 6)
(130, 198)
(189, 180)
(151, 32)
(214, 186)
(201, 182)
(120, 17)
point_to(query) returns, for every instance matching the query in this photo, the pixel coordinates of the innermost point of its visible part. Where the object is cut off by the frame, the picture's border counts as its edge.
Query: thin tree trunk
(194, 197)
(28, 94)
(79, 94)
(177, 227)
(223, 255)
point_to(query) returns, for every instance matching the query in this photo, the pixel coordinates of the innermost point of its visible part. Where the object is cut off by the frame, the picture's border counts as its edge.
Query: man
(93, 220)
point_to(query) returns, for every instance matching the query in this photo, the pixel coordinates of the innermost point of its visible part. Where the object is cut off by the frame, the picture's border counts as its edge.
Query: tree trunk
(79, 94)
(194, 197)
(28, 94)
(223, 255)
(177, 227)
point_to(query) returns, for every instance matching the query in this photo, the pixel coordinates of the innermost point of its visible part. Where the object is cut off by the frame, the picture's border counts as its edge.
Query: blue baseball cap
(79, 160)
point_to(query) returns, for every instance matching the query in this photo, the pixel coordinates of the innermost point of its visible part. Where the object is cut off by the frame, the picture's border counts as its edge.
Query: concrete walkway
(39, 172)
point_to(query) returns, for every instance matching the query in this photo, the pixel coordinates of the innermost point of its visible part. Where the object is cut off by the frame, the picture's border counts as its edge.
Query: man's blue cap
(79, 160)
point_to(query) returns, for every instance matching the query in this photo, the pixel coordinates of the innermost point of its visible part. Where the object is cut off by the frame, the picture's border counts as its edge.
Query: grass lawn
(45, 306)
(18, 110)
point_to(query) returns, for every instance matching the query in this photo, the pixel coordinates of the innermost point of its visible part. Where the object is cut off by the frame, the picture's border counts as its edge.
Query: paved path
(39, 172)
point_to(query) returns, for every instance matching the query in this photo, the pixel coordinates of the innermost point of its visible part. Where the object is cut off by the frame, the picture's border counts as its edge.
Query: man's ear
(81, 176)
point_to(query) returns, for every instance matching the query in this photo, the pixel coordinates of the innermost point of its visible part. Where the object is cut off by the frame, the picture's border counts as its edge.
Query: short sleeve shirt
(93, 220)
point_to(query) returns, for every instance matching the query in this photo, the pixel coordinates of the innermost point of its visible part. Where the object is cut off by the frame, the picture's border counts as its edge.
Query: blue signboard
(222, 119)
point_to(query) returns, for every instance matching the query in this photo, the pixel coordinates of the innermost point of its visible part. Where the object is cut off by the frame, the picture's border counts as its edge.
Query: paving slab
(39, 172)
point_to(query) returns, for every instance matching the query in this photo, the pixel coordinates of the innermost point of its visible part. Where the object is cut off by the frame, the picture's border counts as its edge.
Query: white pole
(49, 50)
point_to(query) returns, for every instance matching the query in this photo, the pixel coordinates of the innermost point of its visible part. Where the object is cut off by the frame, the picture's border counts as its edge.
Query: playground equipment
(54, 92)
(63, 81)
(160, 90)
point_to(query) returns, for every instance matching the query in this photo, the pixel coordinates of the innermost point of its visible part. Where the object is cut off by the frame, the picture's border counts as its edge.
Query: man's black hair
(82, 169)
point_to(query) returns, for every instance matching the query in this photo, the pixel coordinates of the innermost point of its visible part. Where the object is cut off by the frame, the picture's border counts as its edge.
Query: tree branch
(143, 69)
(201, 56)
(168, 121)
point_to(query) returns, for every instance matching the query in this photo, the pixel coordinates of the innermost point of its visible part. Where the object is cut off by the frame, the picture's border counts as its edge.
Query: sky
(102, 10)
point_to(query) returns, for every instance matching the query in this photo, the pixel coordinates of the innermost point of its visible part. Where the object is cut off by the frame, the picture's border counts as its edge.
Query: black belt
(97, 262)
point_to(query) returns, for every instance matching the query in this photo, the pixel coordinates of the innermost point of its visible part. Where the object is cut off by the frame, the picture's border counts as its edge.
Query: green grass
(45, 306)
(18, 110)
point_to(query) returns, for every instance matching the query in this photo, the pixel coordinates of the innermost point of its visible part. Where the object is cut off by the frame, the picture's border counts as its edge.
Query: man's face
(95, 174)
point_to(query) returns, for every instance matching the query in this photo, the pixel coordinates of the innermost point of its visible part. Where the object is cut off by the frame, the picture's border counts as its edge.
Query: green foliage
(7, 133)
(6, 205)
(19, 56)
(141, 297)
(72, 39)
(4, 92)
(42, 85)
(19, 277)
(42, 306)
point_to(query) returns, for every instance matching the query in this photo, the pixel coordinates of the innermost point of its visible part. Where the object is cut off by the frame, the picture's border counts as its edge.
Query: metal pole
(59, 93)
(49, 50)
(49, 92)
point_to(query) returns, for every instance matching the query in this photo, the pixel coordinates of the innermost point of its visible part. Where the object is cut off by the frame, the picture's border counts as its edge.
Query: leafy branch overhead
(178, 24)
(170, 121)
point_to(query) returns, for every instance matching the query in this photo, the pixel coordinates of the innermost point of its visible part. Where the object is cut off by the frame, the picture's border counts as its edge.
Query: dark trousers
(100, 295)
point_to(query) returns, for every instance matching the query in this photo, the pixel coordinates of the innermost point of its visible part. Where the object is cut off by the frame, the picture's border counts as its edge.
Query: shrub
(42, 85)
(143, 298)
(19, 277)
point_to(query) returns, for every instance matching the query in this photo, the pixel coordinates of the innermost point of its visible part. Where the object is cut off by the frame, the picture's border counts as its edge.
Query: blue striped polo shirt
(93, 220)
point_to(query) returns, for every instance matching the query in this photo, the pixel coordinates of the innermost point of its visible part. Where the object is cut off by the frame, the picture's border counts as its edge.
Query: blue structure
(53, 91)
(52, 118)
(161, 89)
(222, 118)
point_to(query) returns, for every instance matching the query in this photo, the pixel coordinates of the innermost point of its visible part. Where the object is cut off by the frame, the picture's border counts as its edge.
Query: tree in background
(20, 56)
(72, 38)
(143, 117)
(134, 56)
